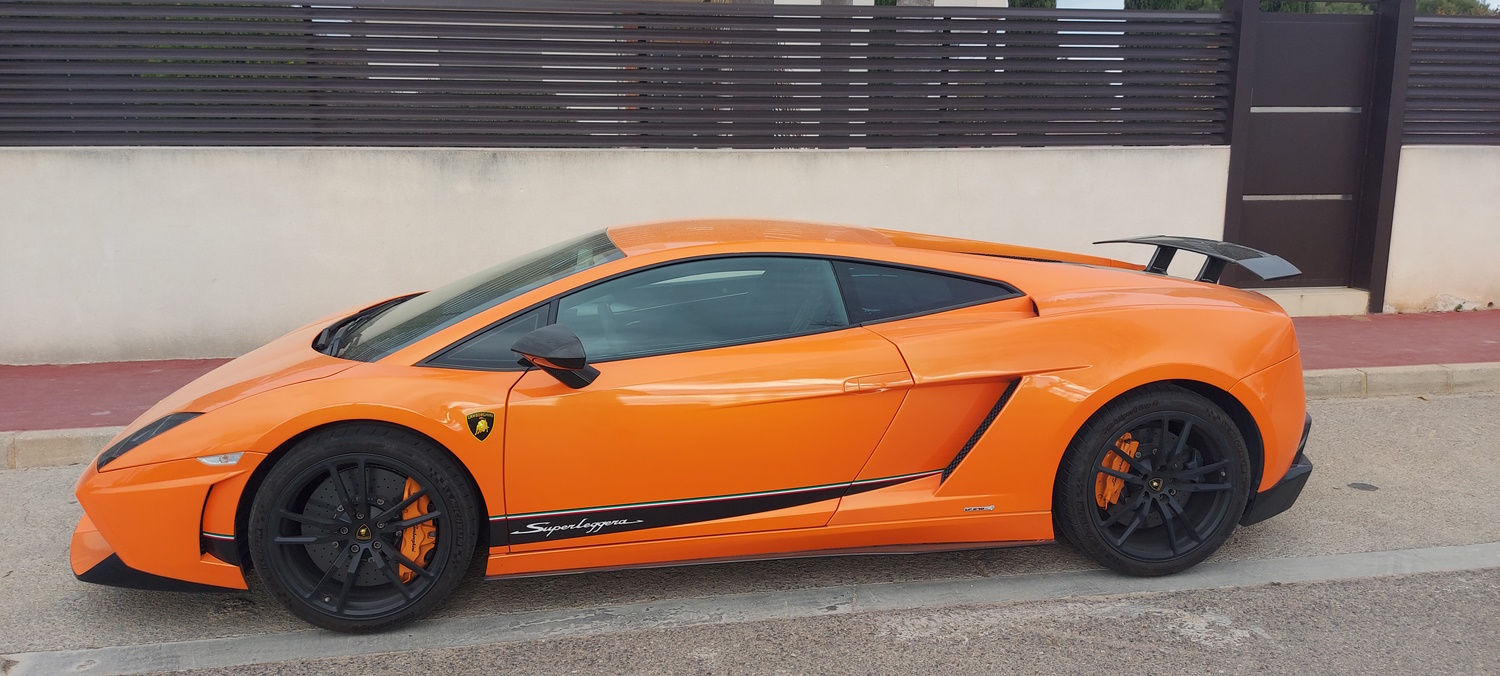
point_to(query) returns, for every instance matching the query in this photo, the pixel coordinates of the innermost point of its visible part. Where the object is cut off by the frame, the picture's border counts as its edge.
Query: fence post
(1372, 245)
(1246, 15)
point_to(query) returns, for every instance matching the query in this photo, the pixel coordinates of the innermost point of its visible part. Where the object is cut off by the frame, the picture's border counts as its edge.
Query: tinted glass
(491, 349)
(435, 310)
(881, 292)
(701, 304)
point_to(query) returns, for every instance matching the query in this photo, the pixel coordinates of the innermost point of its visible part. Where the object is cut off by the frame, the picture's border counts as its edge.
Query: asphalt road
(1402, 504)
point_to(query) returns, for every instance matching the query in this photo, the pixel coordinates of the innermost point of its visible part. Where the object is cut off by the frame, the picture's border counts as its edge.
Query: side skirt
(968, 531)
(853, 551)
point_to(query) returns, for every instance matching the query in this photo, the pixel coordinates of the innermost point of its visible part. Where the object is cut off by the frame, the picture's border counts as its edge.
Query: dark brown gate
(1308, 142)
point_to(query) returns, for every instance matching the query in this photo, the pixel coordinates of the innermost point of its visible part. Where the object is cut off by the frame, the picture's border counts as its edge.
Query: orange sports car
(710, 391)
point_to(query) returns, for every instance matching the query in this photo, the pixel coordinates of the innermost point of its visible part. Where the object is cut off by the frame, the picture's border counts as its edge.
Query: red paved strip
(90, 395)
(1399, 340)
(100, 395)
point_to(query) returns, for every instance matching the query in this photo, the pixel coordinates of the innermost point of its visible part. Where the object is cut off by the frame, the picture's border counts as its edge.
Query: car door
(734, 395)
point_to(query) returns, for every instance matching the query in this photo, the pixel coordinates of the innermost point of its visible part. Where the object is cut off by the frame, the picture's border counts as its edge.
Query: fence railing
(581, 73)
(1453, 90)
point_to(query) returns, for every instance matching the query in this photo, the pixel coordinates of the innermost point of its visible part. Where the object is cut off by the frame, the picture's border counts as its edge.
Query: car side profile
(710, 391)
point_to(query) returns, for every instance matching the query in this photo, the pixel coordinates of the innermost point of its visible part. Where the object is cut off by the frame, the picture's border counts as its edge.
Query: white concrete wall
(1445, 238)
(153, 253)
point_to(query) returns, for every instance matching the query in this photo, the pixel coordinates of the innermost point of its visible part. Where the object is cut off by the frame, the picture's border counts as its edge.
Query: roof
(635, 239)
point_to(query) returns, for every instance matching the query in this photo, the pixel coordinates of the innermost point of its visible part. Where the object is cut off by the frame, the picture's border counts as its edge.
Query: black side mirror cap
(558, 351)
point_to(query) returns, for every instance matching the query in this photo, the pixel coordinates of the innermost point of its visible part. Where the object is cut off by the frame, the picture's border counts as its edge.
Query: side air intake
(979, 431)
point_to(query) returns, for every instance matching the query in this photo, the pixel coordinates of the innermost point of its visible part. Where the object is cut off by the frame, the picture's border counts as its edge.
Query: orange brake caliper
(416, 541)
(1107, 488)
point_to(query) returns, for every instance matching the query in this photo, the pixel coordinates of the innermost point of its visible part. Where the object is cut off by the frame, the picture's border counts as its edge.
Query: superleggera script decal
(589, 527)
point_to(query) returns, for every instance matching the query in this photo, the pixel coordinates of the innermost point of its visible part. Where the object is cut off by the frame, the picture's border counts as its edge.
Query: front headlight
(142, 436)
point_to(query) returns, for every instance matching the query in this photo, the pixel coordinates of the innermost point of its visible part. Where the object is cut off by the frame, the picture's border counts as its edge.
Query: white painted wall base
(1319, 301)
(1445, 238)
(154, 253)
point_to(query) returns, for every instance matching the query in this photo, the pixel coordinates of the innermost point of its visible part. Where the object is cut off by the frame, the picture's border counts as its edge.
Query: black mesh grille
(983, 425)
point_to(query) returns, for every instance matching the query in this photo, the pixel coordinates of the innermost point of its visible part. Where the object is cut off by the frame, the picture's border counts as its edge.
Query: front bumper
(94, 561)
(1279, 498)
(143, 526)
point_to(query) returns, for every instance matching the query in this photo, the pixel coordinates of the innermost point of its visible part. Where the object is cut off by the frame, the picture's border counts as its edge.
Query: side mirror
(558, 351)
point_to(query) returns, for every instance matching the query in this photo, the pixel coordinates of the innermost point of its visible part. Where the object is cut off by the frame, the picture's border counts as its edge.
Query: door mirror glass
(558, 351)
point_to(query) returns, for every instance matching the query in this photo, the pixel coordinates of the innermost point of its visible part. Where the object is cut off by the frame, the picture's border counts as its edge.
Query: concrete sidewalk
(63, 414)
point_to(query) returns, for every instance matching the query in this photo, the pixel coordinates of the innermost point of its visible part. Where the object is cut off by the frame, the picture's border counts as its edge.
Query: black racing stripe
(983, 425)
(524, 529)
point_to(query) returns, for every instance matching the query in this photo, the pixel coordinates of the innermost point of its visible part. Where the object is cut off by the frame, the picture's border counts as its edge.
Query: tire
(358, 572)
(1144, 507)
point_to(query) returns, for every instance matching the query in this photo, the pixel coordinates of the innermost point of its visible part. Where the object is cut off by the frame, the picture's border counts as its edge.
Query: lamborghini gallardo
(714, 391)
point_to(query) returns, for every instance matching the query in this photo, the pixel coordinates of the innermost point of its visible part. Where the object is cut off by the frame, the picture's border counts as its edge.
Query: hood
(287, 360)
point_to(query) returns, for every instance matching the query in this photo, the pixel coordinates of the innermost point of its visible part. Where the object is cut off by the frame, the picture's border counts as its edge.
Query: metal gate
(1309, 140)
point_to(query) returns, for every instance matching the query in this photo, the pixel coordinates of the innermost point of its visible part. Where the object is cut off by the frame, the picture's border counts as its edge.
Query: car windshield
(415, 319)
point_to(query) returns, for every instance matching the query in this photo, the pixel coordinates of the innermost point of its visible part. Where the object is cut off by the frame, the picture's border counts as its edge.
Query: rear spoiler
(1220, 254)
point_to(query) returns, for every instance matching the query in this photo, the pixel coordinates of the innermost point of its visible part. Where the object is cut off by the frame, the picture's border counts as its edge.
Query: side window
(880, 292)
(490, 350)
(702, 304)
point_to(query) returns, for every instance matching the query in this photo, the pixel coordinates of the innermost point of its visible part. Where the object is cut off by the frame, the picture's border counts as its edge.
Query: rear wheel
(362, 528)
(1154, 483)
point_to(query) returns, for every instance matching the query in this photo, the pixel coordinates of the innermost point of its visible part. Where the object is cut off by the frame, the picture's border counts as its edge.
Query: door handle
(879, 382)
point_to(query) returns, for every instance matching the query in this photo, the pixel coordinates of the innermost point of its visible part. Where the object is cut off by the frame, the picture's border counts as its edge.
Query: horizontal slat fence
(1453, 90)
(504, 73)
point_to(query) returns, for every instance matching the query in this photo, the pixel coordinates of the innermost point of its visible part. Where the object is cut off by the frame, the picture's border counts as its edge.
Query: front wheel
(363, 528)
(1154, 483)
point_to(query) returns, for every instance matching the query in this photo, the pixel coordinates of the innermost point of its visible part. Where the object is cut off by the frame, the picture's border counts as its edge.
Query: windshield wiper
(335, 342)
(331, 340)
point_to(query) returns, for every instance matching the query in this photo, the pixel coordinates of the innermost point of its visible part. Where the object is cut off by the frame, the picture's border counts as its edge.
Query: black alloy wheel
(363, 528)
(1154, 483)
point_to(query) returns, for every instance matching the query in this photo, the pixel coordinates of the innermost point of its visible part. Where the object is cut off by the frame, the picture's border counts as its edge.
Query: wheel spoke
(349, 575)
(1134, 464)
(364, 486)
(396, 509)
(1189, 472)
(343, 491)
(1187, 428)
(411, 564)
(307, 520)
(307, 539)
(1124, 511)
(1181, 514)
(328, 574)
(1128, 478)
(390, 573)
(1166, 520)
(420, 518)
(1140, 518)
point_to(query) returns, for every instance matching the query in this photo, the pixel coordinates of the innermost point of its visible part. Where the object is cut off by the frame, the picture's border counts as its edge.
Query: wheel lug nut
(379, 501)
(341, 508)
(377, 545)
(380, 525)
(1137, 454)
(359, 516)
(353, 548)
(344, 531)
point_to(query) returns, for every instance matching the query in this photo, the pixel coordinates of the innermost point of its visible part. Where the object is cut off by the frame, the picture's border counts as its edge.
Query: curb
(51, 448)
(1385, 381)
